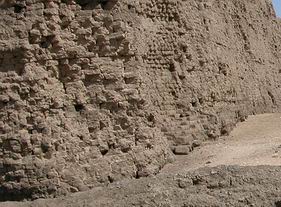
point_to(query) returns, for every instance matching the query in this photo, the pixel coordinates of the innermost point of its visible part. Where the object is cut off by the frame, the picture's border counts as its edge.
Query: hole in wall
(151, 118)
(103, 4)
(44, 44)
(45, 147)
(182, 77)
(18, 8)
(78, 107)
(110, 179)
(104, 151)
(172, 67)
(271, 97)
(194, 103)
(183, 48)
(278, 204)
(13, 61)
(7, 194)
(87, 4)
(102, 125)
(47, 41)
(196, 181)
(92, 4)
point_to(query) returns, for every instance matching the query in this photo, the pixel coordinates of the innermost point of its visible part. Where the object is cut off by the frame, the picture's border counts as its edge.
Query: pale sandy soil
(256, 141)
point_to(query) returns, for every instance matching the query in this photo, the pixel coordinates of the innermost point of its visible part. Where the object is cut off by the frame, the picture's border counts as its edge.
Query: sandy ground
(257, 141)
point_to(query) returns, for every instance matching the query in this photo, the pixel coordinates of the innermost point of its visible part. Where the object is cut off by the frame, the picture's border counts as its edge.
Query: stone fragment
(181, 150)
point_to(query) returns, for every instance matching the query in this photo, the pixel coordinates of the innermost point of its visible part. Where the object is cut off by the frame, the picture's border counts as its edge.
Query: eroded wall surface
(92, 93)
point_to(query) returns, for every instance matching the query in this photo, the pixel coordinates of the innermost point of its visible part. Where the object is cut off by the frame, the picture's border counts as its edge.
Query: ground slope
(255, 142)
(208, 187)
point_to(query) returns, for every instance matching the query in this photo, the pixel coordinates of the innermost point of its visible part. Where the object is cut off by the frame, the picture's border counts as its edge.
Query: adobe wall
(94, 94)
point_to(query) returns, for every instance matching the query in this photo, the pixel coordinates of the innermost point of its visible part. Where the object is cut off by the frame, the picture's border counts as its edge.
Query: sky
(277, 7)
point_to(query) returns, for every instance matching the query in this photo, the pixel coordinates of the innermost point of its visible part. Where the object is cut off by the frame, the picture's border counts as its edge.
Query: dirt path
(256, 141)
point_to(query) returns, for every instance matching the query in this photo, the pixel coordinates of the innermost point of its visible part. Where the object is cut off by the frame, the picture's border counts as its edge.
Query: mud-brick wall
(72, 114)
(208, 64)
(92, 93)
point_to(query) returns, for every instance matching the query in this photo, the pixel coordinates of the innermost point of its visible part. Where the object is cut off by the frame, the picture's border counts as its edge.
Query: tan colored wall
(92, 96)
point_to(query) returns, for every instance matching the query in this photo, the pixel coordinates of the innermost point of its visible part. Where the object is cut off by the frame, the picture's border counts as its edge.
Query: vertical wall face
(95, 92)
(209, 64)
(72, 113)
